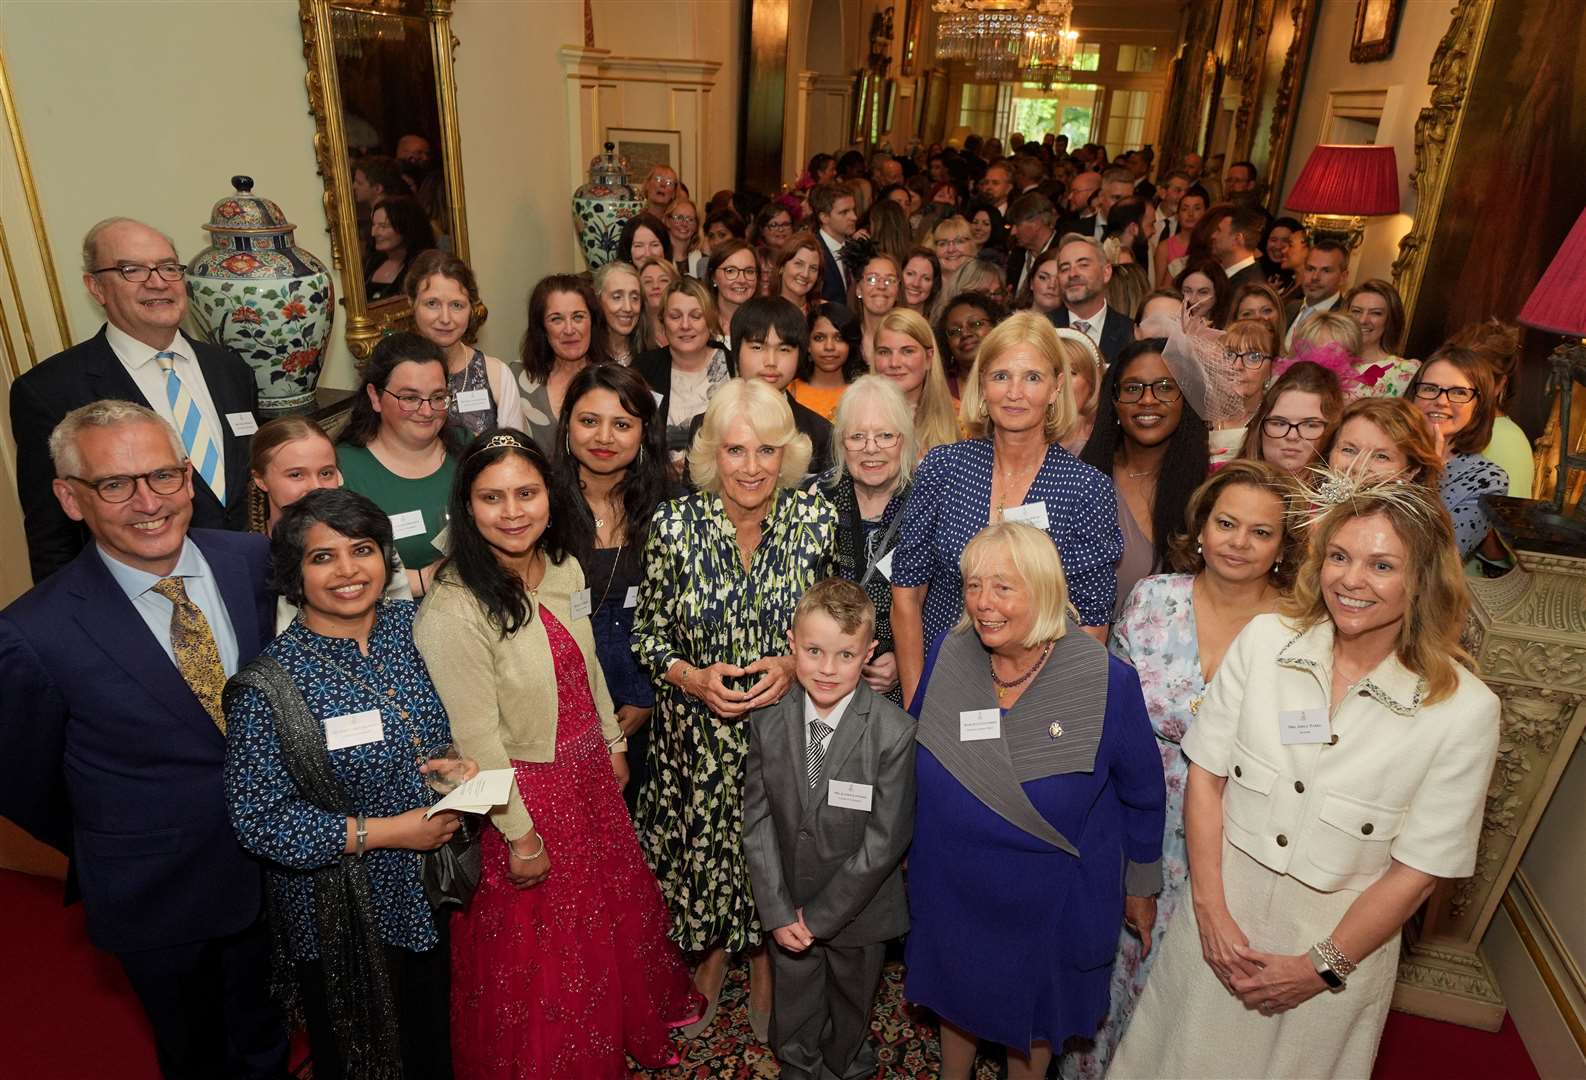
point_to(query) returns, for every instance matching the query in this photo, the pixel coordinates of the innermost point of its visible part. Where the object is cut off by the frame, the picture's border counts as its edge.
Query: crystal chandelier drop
(1007, 40)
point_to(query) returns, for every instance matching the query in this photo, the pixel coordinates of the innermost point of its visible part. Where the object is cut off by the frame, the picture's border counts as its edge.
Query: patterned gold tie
(197, 656)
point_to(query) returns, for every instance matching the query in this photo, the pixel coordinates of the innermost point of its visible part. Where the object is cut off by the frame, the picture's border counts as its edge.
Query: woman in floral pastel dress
(1174, 630)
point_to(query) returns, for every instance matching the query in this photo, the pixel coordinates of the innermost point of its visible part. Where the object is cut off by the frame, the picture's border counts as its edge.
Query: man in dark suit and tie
(828, 814)
(1236, 244)
(114, 737)
(207, 391)
(1084, 271)
(836, 220)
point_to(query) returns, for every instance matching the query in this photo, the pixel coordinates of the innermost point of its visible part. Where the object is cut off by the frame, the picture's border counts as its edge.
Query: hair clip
(1333, 488)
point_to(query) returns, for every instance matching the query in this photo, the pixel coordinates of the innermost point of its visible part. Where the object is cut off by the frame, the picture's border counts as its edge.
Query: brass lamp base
(1350, 228)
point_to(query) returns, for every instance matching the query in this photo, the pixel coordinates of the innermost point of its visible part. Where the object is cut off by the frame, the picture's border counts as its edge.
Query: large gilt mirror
(384, 101)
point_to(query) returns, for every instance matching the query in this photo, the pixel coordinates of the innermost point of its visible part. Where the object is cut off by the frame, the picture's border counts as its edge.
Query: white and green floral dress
(699, 604)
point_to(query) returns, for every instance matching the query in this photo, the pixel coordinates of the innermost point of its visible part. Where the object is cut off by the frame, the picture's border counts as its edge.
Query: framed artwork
(647, 147)
(1376, 25)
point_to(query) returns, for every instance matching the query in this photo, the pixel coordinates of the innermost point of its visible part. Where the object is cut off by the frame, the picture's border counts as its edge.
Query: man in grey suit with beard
(828, 814)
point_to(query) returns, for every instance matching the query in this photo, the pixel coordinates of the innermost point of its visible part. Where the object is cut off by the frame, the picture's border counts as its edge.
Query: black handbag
(451, 872)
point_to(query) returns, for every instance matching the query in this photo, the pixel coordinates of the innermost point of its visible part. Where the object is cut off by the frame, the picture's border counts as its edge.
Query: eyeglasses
(411, 403)
(136, 273)
(1250, 360)
(1457, 395)
(889, 280)
(683, 219)
(778, 226)
(973, 326)
(118, 489)
(663, 181)
(883, 440)
(951, 241)
(1310, 429)
(1164, 390)
(733, 273)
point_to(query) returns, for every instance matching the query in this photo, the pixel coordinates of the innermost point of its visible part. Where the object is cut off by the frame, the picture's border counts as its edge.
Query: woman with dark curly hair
(1151, 442)
(566, 332)
(1234, 561)
(833, 360)
(965, 322)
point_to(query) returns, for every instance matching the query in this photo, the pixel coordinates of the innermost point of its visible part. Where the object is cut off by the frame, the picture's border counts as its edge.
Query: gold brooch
(1054, 729)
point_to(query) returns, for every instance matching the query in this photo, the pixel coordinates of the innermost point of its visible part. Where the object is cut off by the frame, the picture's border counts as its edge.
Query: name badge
(473, 400)
(408, 524)
(353, 729)
(632, 597)
(884, 565)
(848, 796)
(1299, 727)
(242, 423)
(1030, 513)
(977, 724)
(582, 604)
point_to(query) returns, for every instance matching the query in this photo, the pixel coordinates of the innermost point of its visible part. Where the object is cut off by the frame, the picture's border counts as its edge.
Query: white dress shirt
(831, 721)
(1230, 271)
(140, 363)
(1093, 324)
(202, 589)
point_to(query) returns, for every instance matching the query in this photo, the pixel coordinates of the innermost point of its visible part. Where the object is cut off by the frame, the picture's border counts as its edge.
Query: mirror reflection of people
(399, 231)
(374, 177)
(420, 169)
(566, 333)
(444, 293)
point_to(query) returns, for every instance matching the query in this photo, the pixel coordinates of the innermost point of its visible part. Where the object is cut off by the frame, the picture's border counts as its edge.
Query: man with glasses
(207, 392)
(114, 736)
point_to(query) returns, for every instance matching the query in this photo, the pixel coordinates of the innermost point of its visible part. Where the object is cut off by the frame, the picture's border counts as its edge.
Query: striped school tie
(202, 450)
(815, 756)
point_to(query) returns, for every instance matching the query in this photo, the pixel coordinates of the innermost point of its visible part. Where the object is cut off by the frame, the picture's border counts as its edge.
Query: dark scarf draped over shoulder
(358, 991)
(1071, 691)
(851, 557)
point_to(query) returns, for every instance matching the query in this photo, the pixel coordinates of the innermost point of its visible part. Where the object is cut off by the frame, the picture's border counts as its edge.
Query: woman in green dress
(724, 569)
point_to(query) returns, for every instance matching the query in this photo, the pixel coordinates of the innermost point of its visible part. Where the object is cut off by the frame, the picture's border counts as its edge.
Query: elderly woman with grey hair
(875, 448)
(723, 570)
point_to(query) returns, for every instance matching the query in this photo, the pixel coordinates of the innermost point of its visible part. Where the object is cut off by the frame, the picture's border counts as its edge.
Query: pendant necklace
(1004, 687)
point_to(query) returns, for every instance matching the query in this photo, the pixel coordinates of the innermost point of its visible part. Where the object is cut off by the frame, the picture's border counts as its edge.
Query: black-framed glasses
(1251, 360)
(778, 226)
(1310, 428)
(118, 489)
(973, 326)
(137, 273)
(882, 440)
(1457, 395)
(1164, 390)
(733, 273)
(411, 403)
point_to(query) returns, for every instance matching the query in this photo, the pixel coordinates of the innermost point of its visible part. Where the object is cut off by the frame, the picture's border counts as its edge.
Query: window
(1067, 109)
(1087, 57)
(1126, 120)
(1137, 58)
(977, 106)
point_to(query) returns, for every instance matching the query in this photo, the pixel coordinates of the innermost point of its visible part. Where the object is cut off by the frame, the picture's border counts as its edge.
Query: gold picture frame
(336, 34)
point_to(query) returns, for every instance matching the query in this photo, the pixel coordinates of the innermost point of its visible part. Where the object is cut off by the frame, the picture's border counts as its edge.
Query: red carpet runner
(68, 1014)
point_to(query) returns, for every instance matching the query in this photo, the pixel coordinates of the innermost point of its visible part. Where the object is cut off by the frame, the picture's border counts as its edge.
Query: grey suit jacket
(840, 865)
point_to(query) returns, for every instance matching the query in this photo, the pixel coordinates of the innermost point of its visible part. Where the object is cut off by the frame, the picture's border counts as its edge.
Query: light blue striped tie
(201, 448)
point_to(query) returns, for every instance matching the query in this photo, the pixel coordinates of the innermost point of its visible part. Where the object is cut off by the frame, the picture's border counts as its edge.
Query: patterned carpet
(727, 1050)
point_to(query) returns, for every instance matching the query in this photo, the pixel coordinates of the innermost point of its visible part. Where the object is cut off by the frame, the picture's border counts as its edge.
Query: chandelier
(1008, 40)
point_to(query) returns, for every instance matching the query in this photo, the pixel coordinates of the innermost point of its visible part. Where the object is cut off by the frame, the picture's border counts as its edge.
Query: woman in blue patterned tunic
(329, 735)
(1017, 407)
(1456, 392)
(724, 569)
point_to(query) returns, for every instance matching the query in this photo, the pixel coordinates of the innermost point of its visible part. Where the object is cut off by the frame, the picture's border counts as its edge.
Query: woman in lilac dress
(1174, 630)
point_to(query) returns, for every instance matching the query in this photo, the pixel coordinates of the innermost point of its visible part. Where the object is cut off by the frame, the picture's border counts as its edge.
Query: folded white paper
(492, 787)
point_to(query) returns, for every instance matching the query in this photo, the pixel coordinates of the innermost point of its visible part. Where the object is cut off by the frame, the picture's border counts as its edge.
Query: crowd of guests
(1121, 491)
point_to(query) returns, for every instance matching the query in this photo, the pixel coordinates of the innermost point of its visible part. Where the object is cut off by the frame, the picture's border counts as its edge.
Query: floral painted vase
(257, 292)
(602, 206)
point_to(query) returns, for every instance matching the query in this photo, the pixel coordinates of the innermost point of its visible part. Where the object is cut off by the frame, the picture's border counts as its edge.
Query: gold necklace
(1004, 688)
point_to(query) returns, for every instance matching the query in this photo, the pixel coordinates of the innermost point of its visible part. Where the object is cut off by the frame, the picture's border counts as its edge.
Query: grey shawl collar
(1071, 690)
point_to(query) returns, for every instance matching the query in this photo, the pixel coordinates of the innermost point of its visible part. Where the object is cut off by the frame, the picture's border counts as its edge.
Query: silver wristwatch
(1332, 978)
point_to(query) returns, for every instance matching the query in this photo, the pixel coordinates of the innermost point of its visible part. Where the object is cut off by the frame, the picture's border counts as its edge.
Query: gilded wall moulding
(1302, 14)
(1436, 133)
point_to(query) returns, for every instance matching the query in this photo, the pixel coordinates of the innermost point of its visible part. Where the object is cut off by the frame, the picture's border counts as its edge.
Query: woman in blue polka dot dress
(1017, 405)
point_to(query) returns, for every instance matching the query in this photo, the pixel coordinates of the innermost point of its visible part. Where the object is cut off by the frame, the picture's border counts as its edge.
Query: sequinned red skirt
(563, 980)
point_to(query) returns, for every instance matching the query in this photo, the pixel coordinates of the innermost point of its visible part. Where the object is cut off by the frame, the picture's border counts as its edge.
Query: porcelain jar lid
(608, 169)
(246, 212)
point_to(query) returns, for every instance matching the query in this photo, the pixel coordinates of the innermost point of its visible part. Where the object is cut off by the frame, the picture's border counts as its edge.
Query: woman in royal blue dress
(1038, 831)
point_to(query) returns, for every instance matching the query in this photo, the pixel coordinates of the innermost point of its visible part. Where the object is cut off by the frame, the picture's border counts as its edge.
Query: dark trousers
(820, 1010)
(209, 1004)
(421, 987)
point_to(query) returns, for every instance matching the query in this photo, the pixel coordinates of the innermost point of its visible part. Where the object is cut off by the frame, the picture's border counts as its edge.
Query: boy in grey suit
(828, 814)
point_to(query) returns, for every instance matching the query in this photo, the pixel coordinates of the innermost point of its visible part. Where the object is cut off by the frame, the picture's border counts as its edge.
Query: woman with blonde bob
(905, 352)
(1356, 694)
(1022, 877)
(723, 570)
(1082, 361)
(1018, 406)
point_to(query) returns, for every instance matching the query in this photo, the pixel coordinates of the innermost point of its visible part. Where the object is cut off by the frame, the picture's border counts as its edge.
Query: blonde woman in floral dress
(1174, 630)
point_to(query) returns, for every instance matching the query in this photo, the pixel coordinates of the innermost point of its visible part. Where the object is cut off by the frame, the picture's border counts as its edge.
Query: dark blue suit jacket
(112, 760)
(831, 276)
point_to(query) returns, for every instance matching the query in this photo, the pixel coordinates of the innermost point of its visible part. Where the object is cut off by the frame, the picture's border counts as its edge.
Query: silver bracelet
(362, 835)
(1335, 958)
(528, 858)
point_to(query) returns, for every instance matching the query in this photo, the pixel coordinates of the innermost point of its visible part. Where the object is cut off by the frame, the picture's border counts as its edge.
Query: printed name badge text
(407, 524)
(977, 724)
(1030, 513)
(353, 729)
(1298, 727)
(242, 423)
(473, 400)
(848, 795)
(582, 604)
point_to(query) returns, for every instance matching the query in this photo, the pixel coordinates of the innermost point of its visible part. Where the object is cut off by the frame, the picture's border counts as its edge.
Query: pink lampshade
(1347, 180)
(1558, 303)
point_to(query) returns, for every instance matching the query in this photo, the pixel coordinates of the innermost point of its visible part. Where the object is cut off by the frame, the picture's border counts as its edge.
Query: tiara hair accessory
(1326, 489)
(496, 442)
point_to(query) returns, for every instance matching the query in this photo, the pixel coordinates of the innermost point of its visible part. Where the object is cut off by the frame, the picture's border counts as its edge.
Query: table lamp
(1342, 185)
(1558, 306)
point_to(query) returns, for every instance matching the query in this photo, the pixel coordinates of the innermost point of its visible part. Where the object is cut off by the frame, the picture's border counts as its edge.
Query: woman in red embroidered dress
(561, 965)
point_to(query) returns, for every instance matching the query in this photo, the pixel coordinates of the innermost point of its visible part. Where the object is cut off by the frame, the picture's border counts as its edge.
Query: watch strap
(1333, 980)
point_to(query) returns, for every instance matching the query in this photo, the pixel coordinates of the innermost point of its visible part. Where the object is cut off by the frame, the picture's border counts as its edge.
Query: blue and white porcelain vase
(257, 292)
(602, 206)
